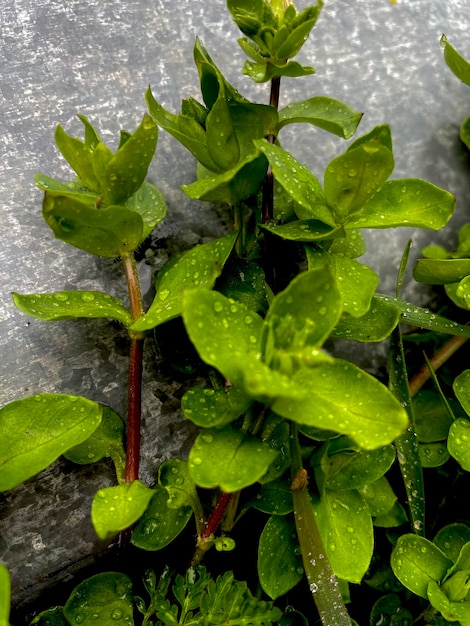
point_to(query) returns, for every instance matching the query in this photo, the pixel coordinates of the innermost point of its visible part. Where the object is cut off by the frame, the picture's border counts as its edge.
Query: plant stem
(134, 398)
(205, 540)
(268, 187)
(321, 579)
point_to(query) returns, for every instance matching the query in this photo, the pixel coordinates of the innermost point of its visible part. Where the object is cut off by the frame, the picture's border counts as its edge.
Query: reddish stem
(134, 401)
(216, 516)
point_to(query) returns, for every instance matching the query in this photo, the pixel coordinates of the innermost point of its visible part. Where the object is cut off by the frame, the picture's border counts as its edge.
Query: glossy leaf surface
(326, 113)
(173, 474)
(116, 508)
(228, 458)
(375, 325)
(104, 599)
(343, 398)
(279, 561)
(441, 271)
(199, 267)
(456, 62)
(67, 305)
(416, 562)
(214, 407)
(451, 539)
(35, 431)
(458, 442)
(160, 524)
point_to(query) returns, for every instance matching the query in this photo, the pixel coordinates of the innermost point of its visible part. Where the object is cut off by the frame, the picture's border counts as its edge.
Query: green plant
(289, 434)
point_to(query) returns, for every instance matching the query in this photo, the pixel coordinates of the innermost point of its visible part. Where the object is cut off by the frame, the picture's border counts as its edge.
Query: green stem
(268, 187)
(134, 398)
(321, 579)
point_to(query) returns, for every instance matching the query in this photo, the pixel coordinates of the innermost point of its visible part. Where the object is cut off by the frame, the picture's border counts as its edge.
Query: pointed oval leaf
(116, 508)
(198, 267)
(102, 599)
(441, 271)
(461, 388)
(228, 459)
(356, 282)
(458, 442)
(35, 431)
(407, 202)
(456, 62)
(279, 560)
(149, 203)
(159, 525)
(109, 232)
(458, 612)
(346, 529)
(451, 539)
(304, 230)
(364, 468)
(126, 170)
(298, 182)
(306, 311)
(379, 496)
(375, 325)
(275, 498)
(67, 305)
(79, 157)
(342, 397)
(262, 72)
(416, 562)
(214, 407)
(326, 113)
(220, 136)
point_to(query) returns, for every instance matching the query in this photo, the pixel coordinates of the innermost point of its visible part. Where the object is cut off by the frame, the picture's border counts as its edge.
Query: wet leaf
(389, 611)
(174, 476)
(279, 561)
(346, 529)
(275, 498)
(105, 441)
(456, 62)
(362, 469)
(262, 72)
(35, 431)
(220, 136)
(343, 398)
(433, 454)
(159, 525)
(79, 154)
(376, 325)
(379, 496)
(198, 267)
(214, 407)
(304, 230)
(67, 305)
(461, 387)
(298, 182)
(228, 458)
(244, 281)
(431, 417)
(116, 508)
(149, 203)
(451, 539)
(453, 611)
(407, 202)
(109, 232)
(416, 562)
(458, 442)
(326, 113)
(51, 617)
(103, 599)
(356, 282)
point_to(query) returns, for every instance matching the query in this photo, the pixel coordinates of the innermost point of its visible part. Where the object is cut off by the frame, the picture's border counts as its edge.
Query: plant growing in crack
(289, 433)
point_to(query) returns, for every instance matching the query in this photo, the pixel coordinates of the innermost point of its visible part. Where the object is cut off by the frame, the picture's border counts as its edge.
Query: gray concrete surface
(97, 58)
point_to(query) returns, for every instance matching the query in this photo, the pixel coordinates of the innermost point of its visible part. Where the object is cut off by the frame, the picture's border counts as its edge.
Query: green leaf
(376, 325)
(275, 498)
(51, 617)
(279, 560)
(220, 136)
(453, 611)
(244, 281)
(67, 305)
(159, 525)
(304, 230)
(461, 387)
(35, 431)
(232, 186)
(305, 312)
(79, 154)
(116, 508)
(356, 282)
(395, 517)
(173, 474)
(214, 407)
(4, 595)
(379, 496)
(354, 177)
(465, 132)
(105, 441)
(389, 611)
(451, 538)
(433, 454)
(362, 468)
(149, 203)
(432, 421)
(441, 271)
(458, 442)
(326, 113)
(278, 438)
(456, 62)
(252, 121)
(198, 267)
(109, 232)
(126, 170)
(262, 72)
(251, 15)
(407, 202)
(228, 458)
(424, 318)
(102, 599)
(298, 182)
(346, 528)
(343, 398)
(416, 562)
